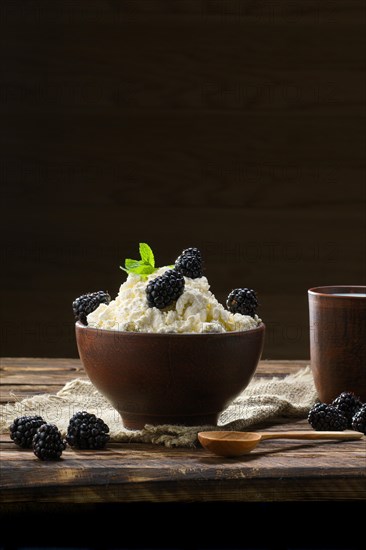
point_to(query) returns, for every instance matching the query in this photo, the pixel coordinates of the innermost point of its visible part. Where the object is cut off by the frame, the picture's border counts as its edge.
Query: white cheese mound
(195, 311)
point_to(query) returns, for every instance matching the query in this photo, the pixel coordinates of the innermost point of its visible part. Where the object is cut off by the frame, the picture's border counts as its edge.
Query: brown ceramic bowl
(169, 378)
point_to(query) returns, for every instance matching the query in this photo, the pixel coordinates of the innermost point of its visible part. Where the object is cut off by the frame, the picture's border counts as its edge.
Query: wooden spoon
(240, 443)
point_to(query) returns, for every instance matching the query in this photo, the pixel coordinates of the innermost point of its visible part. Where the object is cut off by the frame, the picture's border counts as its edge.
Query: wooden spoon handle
(347, 434)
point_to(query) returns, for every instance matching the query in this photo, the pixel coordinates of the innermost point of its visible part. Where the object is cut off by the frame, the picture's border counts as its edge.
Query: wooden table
(176, 487)
(294, 471)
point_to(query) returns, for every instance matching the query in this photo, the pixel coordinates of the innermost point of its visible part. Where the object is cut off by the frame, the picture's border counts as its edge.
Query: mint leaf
(142, 267)
(132, 264)
(138, 267)
(146, 254)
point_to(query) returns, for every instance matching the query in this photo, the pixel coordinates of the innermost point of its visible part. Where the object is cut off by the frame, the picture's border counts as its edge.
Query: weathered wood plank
(270, 458)
(275, 471)
(10, 393)
(137, 473)
(36, 378)
(333, 488)
(26, 363)
(52, 364)
(43, 372)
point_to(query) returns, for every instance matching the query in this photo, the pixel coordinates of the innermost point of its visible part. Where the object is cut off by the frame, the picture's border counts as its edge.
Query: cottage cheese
(195, 311)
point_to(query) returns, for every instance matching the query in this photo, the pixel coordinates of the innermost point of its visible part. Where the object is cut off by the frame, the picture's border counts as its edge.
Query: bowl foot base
(133, 421)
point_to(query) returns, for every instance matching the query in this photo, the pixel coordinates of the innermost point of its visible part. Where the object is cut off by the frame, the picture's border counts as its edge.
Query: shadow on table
(258, 452)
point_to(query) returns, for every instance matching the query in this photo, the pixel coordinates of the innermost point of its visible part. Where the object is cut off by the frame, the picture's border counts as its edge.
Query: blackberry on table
(23, 429)
(242, 300)
(165, 289)
(348, 403)
(324, 417)
(87, 303)
(359, 420)
(86, 431)
(48, 443)
(189, 263)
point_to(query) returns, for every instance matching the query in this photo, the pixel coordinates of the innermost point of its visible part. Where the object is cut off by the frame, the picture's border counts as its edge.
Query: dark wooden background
(235, 126)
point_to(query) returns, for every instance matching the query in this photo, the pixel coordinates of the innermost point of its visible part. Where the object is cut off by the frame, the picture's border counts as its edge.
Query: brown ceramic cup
(338, 340)
(169, 378)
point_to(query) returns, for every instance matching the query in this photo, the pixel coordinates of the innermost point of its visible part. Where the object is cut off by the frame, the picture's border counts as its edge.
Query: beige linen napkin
(264, 399)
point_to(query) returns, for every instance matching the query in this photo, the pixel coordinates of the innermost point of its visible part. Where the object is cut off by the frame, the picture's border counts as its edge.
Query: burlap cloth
(263, 400)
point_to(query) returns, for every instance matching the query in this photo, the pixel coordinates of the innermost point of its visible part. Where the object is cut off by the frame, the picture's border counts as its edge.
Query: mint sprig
(146, 254)
(142, 267)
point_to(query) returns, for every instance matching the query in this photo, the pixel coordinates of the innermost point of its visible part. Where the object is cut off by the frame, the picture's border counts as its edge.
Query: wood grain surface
(238, 127)
(296, 471)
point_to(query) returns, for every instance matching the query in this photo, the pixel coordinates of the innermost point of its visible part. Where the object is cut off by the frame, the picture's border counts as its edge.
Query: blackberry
(86, 431)
(48, 443)
(165, 289)
(242, 300)
(24, 428)
(192, 252)
(189, 263)
(87, 303)
(326, 417)
(348, 404)
(359, 420)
